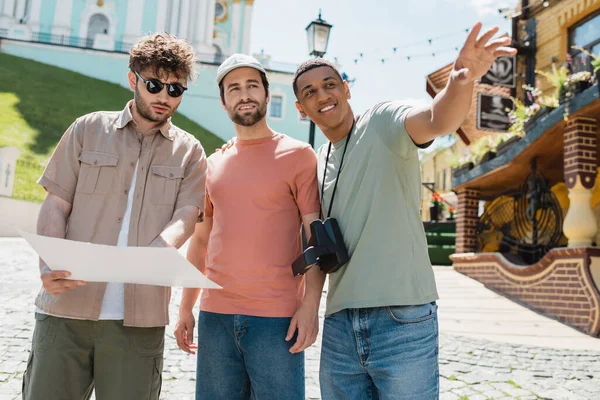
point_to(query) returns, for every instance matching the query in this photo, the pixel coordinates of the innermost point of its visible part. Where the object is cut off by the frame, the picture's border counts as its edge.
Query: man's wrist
(312, 300)
(186, 309)
(187, 304)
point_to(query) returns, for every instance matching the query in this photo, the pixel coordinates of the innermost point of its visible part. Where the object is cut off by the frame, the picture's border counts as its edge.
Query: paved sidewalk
(488, 344)
(467, 308)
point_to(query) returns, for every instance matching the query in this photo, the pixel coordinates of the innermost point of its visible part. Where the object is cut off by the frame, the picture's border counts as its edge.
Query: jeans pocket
(412, 314)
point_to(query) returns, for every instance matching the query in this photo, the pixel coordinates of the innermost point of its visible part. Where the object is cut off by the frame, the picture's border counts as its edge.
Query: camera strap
(338, 174)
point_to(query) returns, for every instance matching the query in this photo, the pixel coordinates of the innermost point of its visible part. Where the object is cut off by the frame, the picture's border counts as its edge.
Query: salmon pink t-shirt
(256, 192)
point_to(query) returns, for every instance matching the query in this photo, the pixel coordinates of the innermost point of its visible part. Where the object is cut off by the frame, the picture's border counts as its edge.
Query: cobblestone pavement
(480, 369)
(470, 368)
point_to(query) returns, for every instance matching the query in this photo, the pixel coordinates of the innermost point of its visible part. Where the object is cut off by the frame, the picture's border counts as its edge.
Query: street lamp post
(317, 33)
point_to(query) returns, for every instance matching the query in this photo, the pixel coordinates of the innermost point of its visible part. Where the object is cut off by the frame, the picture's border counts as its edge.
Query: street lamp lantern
(317, 33)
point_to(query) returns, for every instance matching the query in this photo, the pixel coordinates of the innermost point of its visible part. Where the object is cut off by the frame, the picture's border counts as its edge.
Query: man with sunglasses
(252, 333)
(128, 178)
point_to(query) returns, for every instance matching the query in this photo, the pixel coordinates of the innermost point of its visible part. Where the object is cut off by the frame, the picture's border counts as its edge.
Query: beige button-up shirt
(92, 168)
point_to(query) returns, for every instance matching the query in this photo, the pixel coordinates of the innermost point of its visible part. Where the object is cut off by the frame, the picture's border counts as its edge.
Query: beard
(249, 119)
(145, 110)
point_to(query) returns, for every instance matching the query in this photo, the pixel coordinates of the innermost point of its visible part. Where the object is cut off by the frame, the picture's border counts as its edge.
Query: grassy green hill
(38, 102)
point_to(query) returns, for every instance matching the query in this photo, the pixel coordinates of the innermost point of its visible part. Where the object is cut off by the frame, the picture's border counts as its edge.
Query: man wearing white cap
(259, 192)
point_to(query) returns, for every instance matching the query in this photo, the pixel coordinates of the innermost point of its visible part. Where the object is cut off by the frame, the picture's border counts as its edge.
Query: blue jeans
(245, 357)
(385, 353)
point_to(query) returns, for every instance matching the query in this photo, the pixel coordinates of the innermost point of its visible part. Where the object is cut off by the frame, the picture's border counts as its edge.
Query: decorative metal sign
(492, 112)
(501, 73)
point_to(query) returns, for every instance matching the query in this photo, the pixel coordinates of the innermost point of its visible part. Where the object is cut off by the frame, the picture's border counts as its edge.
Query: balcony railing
(122, 47)
(62, 40)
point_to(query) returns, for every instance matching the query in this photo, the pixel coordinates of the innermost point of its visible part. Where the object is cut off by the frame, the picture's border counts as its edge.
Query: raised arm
(451, 106)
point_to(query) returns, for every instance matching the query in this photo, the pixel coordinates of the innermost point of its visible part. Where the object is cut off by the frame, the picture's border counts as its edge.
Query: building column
(184, 11)
(6, 14)
(200, 17)
(247, 26)
(236, 22)
(62, 18)
(174, 17)
(209, 27)
(8, 8)
(580, 176)
(466, 220)
(133, 26)
(204, 15)
(161, 16)
(35, 15)
(20, 10)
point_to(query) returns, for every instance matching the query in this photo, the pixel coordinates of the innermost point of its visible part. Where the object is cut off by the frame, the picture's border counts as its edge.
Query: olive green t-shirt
(377, 205)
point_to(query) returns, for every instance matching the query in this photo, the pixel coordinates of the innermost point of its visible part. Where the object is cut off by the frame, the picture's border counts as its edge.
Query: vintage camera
(326, 248)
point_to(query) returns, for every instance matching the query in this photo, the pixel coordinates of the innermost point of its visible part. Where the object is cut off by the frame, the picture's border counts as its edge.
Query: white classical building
(214, 27)
(93, 37)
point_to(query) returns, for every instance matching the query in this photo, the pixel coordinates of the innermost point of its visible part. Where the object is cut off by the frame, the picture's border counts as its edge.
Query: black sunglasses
(155, 86)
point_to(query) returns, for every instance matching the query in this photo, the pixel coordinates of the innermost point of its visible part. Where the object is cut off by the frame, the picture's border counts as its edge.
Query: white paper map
(161, 266)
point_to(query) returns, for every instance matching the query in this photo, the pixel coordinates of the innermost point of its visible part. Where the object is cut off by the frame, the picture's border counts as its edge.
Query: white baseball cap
(238, 61)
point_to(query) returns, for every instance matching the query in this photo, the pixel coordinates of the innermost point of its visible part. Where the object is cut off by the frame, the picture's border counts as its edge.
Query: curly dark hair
(312, 64)
(163, 53)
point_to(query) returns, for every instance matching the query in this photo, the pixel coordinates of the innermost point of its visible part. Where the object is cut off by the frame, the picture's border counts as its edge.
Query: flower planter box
(529, 124)
(504, 146)
(544, 111)
(562, 96)
(462, 169)
(490, 155)
(434, 213)
(577, 88)
(581, 86)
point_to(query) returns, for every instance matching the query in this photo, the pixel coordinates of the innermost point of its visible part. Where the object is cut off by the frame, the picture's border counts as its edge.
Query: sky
(374, 28)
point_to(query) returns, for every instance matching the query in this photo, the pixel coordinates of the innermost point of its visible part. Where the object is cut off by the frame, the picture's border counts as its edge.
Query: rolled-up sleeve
(193, 186)
(389, 117)
(61, 174)
(305, 187)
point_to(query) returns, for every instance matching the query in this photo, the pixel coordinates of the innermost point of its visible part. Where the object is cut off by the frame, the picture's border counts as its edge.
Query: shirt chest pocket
(97, 172)
(164, 184)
